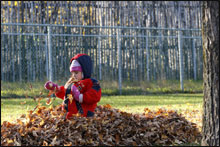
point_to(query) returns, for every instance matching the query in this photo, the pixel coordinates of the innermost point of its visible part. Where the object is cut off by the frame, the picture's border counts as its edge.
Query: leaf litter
(45, 126)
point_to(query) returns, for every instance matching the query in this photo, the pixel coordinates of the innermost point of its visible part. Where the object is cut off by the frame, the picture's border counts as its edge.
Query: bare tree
(210, 36)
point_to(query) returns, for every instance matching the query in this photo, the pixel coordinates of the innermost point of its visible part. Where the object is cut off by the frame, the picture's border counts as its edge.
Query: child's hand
(70, 81)
(75, 92)
(51, 86)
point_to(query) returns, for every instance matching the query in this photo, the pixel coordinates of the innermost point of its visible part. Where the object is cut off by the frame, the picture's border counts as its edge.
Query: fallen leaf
(46, 127)
(22, 103)
(70, 98)
(48, 101)
(50, 93)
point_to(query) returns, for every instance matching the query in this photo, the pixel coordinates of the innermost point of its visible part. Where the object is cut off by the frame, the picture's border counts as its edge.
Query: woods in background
(146, 51)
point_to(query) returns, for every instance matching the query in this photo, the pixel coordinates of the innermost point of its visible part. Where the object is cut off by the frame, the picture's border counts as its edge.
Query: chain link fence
(127, 40)
(36, 52)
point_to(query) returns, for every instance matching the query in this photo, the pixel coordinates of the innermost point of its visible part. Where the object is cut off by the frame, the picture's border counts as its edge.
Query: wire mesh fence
(134, 41)
(137, 53)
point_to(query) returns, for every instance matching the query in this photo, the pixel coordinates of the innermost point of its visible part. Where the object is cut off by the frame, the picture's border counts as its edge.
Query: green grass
(137, 103)
(17, 98)
(22, 89)
(11, 109)
(135, 96)
(153, 87)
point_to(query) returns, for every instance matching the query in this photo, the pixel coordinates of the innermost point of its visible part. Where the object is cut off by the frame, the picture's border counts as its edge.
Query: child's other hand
(75, 92)
(50, 85)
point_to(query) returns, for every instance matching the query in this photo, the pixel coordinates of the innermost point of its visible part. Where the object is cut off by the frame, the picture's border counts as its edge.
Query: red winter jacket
(89, 87)
(91, 96)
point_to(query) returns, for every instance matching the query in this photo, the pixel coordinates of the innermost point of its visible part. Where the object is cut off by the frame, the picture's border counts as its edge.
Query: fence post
(13, 60)
(46, 53)
(180, 59)
(161, 67)
(50, 54)
(100, 58)
(194, 59)
(147, 59)
(119, 60)
(2, 71)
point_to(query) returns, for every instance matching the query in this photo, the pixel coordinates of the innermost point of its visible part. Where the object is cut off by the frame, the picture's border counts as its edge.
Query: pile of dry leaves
(46, 126)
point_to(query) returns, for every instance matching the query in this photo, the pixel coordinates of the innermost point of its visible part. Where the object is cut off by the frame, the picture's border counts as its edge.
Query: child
(84, 90)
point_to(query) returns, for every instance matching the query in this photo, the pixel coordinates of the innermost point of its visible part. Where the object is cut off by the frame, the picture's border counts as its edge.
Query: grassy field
(109, 88)
(189, 105)
(17, 98)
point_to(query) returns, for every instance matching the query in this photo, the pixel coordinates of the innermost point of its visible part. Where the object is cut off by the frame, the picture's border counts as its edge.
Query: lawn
(189, 105)
(17, 97)
(109, 88)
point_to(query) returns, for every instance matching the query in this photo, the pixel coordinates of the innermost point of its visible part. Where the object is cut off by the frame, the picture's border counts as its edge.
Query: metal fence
(31, 52)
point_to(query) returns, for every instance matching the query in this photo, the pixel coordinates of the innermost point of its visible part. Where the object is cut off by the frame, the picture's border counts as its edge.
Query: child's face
(77, 75)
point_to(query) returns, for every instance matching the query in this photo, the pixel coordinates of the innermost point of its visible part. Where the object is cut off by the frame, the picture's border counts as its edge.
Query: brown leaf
(20, 122)
(55, 141)
(108, 106)
(134, 143)
(100, 136)
(46, 126)
(48, 101)
(39, 99)
(50, 93)
(22, 103)
(45, 143)
(70, 98)
(117, 139)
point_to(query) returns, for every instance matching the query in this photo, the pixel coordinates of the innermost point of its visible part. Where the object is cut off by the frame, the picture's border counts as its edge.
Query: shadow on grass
(111, 92)
(109, 88)
(106, 92)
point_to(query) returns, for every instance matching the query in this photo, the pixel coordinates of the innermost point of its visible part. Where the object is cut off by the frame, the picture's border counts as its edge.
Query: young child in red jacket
(85, 91)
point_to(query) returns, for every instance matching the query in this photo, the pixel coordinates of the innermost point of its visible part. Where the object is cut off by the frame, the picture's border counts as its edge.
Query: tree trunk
(210, 36)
